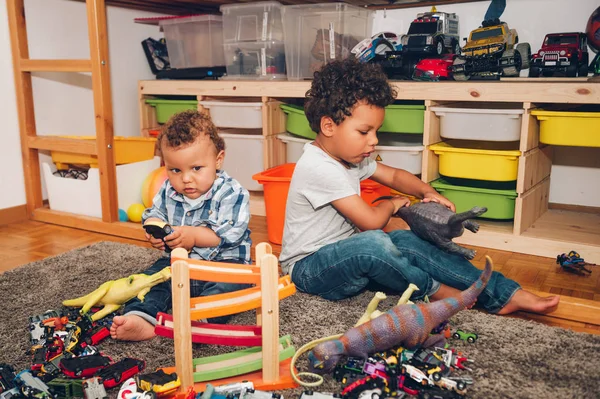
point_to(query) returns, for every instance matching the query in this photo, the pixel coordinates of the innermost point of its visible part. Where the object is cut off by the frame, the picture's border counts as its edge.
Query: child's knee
(377, 241)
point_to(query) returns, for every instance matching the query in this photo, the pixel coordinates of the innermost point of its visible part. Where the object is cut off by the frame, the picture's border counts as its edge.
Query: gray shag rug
(513, 358)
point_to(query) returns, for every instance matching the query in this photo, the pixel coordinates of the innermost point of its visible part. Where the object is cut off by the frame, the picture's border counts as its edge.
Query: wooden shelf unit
(535, 229)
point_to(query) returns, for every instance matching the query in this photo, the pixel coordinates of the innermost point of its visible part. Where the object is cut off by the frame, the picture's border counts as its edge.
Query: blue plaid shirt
(225, 209)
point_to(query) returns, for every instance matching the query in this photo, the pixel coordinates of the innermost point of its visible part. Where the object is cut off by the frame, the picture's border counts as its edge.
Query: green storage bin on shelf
(166, 108)
(401, 118)
(500, 203)
(398, 119)
(296, 121)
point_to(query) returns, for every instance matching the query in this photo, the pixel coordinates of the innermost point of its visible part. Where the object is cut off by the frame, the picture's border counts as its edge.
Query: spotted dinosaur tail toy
(406, 325)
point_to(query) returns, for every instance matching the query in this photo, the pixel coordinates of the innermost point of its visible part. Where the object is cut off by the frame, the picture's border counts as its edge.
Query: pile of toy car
(426, 372)
(65, 361)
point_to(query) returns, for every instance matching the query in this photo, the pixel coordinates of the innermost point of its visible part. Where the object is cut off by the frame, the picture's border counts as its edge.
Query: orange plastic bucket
(371, 190)
(276, 184)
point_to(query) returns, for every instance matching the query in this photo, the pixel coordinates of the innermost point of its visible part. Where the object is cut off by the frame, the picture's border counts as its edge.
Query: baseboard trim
(14, 214)
(574, 208)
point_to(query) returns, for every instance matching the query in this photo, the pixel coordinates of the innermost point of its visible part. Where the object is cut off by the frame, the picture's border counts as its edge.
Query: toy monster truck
(434, 33)
(565, 53)
(492, 51)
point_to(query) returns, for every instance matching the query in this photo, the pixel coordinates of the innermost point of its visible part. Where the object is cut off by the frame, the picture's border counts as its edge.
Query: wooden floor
(30, 241)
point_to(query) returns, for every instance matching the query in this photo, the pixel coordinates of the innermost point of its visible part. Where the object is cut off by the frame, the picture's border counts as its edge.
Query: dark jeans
(159, 298)
(393, 260)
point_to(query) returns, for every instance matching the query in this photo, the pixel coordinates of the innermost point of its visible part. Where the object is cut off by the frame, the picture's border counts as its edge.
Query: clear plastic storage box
(195, 41)
(255, 60)
(252, 22)
(318, 33)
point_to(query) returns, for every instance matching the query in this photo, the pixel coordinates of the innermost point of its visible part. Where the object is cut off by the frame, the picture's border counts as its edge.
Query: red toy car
(114, 374)
(84, 366)
(565, 53)
(434, 69)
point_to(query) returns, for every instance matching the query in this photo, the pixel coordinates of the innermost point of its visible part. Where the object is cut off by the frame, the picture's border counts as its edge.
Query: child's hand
(399, 202)
(181, 237)
(437, 197)
(155, 242)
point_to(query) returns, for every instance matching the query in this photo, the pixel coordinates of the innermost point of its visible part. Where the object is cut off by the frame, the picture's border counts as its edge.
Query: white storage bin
(195, 41)
(318, 33)
(500, 123)
(398, 154)
(401, 155)
(294, 146)
(83, 196)
(251, 22)
(244, 158)
(244, 115)
(255, 60)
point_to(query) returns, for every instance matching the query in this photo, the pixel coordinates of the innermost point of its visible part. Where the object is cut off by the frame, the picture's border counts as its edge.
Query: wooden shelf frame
(535, 162)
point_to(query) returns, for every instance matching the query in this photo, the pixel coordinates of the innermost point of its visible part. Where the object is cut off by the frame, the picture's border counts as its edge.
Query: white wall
(63, 101)
(575, 171)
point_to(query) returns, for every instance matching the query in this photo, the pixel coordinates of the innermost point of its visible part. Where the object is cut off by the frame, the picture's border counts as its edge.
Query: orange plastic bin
(276, 184)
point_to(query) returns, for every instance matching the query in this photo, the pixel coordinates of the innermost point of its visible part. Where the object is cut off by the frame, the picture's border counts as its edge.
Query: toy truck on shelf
(490, 52)
(432, 33)
(565, 53)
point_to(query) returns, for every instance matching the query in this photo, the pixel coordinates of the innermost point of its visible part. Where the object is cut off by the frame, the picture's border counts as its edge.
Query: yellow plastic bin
(569, 128)
(127, 150)
(492, 161)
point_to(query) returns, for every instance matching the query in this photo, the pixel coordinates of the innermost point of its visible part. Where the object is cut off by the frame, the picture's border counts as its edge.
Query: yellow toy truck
(490, 52)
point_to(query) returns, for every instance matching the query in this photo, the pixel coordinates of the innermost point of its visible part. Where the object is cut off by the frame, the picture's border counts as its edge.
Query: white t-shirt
(311, 222)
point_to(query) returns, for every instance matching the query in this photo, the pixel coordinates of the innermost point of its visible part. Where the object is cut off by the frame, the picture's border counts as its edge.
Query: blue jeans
(495, 10)
(159, 298)
(393, 260)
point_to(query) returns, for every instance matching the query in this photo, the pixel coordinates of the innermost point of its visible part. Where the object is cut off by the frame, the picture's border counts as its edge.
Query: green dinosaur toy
(114, 293)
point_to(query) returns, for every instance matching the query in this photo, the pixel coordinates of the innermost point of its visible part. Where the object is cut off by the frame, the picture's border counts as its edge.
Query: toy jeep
(432, 32)
(565, 53)
(492, 51)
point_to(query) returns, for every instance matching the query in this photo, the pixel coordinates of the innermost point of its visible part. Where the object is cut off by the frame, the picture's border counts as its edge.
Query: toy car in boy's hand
(437, 224)
(159, 229)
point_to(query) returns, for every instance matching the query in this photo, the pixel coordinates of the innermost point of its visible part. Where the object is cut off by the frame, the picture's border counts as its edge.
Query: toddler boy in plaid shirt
(209, 212)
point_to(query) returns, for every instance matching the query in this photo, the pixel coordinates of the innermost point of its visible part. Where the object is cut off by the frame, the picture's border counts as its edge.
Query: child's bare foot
(525, 300)
(445, 291)
(131, 328)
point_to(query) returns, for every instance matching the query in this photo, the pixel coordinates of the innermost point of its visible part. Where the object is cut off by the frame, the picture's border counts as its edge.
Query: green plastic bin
(167, 108)
(500, 203)
(296, 121)
(400, 118)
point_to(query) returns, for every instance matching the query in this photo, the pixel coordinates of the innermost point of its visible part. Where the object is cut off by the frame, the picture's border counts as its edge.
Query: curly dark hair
(185, 127)
(339, 85)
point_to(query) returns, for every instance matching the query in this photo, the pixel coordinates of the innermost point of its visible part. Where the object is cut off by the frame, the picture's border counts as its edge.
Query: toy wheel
(470, 340)
(459, 76)
(117, 377)
(308, 392)
(512, 70)
(524, 49)
(436, 376)
(439, 47)
(572, 70)
(461, 385)
(534, 72)
(456, 336)
(456, 48)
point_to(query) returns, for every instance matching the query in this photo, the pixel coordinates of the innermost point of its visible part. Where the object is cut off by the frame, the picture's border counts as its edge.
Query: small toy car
(32, 387)
(434, 69)
(161, 383)
(252, 394)
(94, 389)
(565, 53)
(85, 366)
(7, 375)
(377, 44)
(120, 371)
(465, 336)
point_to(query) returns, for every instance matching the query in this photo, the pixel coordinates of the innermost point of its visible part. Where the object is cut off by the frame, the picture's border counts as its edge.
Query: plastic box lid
(477, 147)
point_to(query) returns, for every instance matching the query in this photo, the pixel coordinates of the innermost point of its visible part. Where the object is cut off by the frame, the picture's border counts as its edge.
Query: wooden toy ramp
(269, 352)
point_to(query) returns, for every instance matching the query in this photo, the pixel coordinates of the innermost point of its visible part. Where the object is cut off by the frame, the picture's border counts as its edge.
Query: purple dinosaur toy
(406, 325)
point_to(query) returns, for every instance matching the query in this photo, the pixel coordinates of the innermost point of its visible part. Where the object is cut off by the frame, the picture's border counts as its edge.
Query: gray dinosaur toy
(437, 224)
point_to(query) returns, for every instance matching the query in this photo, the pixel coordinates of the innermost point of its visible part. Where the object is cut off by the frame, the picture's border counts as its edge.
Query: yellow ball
(134, 212)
